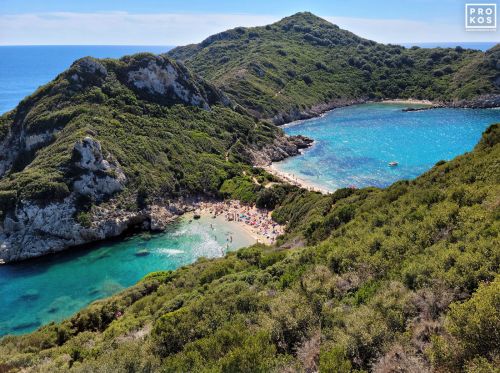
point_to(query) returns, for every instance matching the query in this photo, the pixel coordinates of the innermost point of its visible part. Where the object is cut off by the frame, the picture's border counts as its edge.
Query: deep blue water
(355, 144)
(24, 68)
(483, 46)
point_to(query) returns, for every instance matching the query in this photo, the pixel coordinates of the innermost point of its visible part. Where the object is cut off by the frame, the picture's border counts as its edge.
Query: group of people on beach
(258, 221)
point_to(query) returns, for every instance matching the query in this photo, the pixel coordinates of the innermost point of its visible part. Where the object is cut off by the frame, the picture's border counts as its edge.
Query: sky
(156, 22)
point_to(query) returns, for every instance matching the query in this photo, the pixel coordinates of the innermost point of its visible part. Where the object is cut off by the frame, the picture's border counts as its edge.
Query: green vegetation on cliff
(303, 61)
(165, 144)
(387, 280)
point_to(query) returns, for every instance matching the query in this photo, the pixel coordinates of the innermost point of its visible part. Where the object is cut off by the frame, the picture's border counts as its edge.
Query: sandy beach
(295, 180)
(256, 222)
(410, 101)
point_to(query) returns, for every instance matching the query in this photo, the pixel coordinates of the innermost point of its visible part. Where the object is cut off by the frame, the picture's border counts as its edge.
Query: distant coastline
(483, 46)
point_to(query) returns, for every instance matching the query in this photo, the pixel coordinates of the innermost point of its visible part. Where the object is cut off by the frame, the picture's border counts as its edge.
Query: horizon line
(174, 45)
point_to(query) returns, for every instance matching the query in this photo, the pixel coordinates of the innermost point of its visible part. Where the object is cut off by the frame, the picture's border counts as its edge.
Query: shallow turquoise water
(35, 292)
(354, 144)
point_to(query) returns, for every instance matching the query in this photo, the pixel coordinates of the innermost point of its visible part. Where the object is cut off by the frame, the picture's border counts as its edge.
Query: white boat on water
(393, 164)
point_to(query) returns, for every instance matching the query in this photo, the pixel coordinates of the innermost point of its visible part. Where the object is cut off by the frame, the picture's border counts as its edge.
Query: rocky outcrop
(162, 214)
(87, 71)
(480, 102)
(281, 148)
(160, 77)
(157, 79)
(99, 177)
(35, 230)
(314, 111)
(18, 142)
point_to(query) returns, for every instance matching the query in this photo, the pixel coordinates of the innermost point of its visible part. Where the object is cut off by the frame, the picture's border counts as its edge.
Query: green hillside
(304, 61)
(388, 280)
(160, 143)
(108, 139)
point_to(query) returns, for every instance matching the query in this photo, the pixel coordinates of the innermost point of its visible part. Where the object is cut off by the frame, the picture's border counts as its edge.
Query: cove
(353, 145)
(51, 288)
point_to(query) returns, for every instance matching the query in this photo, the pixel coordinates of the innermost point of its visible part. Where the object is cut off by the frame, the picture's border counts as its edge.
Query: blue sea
(482, 46)
(353, 145)
(25, 68)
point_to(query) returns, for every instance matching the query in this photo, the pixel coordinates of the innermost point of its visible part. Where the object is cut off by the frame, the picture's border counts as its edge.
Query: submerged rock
(142, 252)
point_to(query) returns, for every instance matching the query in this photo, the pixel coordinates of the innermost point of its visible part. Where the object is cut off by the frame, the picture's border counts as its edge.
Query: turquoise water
(52, 288)
(354, 144)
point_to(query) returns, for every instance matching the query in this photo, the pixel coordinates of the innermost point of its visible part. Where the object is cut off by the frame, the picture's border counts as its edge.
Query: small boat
(393, 164)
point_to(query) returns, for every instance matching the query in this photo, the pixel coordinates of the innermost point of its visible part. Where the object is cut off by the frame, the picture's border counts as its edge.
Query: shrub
(307, 79)
(476, 322)
(84, 219)
(269, 198)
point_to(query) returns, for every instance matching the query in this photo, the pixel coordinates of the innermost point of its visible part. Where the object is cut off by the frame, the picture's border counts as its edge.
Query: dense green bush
(7, 199)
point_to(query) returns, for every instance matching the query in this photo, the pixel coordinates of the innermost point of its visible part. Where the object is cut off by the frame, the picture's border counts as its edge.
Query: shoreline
(486, 101)
(294, 180)
(257, 223)
(398, 101)
(409, 101)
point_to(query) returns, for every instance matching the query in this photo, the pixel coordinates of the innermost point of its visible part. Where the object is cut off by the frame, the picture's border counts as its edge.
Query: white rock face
(161, 79)
(32, 141)
(39, 230)
(34, 230)
(91, 65)
(101, 177)
(18, 141)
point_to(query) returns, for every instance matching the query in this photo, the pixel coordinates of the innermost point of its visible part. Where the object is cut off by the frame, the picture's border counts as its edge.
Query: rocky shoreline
(314, 111)
(281, 148)
(482, 102)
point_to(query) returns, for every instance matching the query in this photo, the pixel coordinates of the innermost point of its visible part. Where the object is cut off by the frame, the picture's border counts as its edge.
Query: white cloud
(179, 29)
(119, 28)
